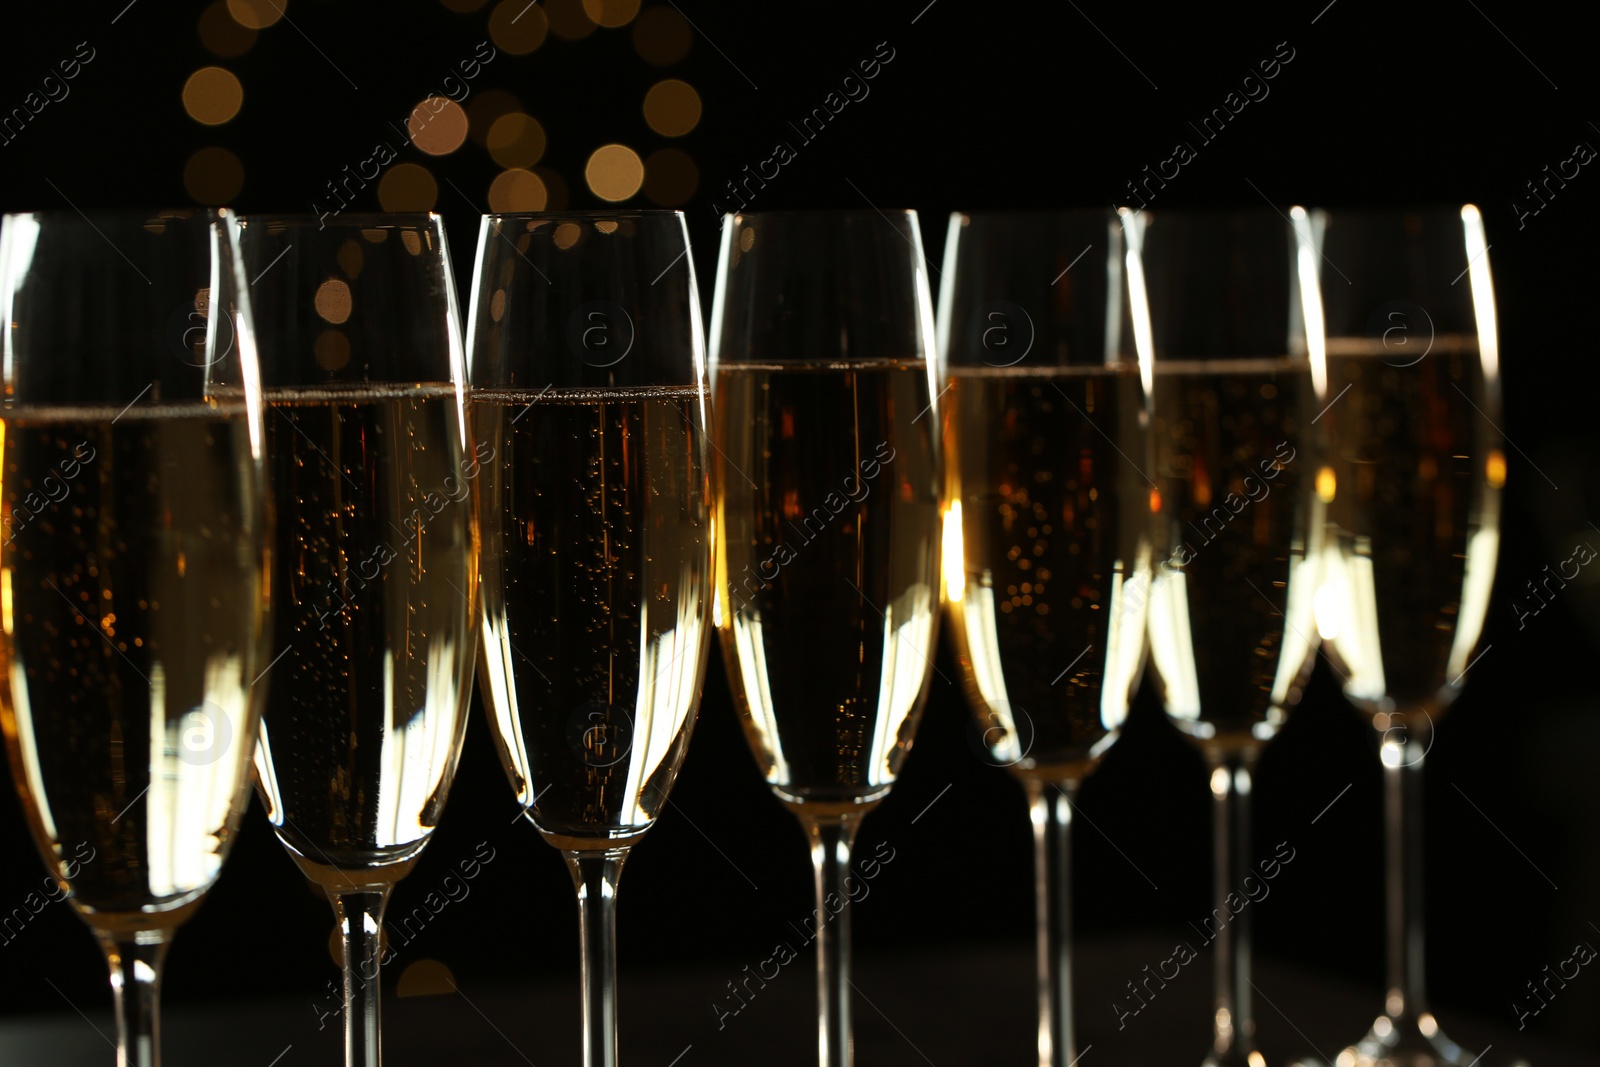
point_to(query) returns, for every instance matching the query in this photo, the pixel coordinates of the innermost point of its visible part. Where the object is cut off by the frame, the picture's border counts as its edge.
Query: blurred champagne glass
(133, 569)
(1412, 480)
(1234, 316)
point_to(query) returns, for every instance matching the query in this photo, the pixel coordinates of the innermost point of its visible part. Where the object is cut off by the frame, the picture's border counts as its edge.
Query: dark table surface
(969, 1006)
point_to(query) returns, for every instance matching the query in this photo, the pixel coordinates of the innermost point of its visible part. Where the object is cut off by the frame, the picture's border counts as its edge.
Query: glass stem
(1233, 1025)
(832, 837)
(1402, 789)
(1050, 804)
(135, 961)
(359, 913)
(595, 874)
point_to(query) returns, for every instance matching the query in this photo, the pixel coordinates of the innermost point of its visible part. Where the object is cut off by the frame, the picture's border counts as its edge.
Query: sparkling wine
(373, 618)
(1412, 484)
(1049, 573)
(597, 569)
(1230, 609)
(828, 567)
(132, 588)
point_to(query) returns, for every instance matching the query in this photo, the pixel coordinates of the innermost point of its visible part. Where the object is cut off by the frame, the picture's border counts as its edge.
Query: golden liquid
(374, 621)
(1050, 544)
(1413, 522)
(827, 568)
(1231, 629)
(133, 599)
(597, 572)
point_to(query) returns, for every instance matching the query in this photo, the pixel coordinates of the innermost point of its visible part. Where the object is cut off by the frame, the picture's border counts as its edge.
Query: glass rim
(598, 214)
(358, 219)
(822, 213)
(127, 214)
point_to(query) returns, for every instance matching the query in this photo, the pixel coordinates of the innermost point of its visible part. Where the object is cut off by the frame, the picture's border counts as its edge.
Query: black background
(983, 106)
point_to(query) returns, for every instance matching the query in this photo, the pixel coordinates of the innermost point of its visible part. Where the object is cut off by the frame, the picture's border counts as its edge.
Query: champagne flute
(1230, 297)
(589, 379)
(1413, 478)
(1047, 554)
(133, 569)
(373, 471)
(828, 484)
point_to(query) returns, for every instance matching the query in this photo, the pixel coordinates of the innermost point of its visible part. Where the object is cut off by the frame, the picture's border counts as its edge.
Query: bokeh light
(662, 36)
(333, 301)
(212, 96)
(516, 140)
(222, 35)
(482, 110)
(213, 176)
(614, 172)
(257, 14)
(611, 13)
(670, 177)
(518, 26)
(555, 187)
(568, 19)
(425, 978)
(672, 107)
(517, 190)
(437, 125)
(351, 258)
(332, 350)
(567, 234)
(407, 187)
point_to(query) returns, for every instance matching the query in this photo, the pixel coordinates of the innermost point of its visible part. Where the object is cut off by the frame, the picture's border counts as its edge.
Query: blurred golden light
(425, 978)
(516, 140)
(333, 301)
(412, 241)
(556, 186)
(497, 305)
(611, 13)
(1327, 484)
(213, 176)
(212, 96)
(953, 557)
(609, 226)
(567, 235)
(375, 235)
(517, 190)
(518, 26)
(464, 7)
(351, 259)
(484, 108)
(670, 177)
(257, 14)
(1495, 468)
(568, 19)
(438, 125)
(333, 350)
(407, 187)
(672, 107)
(222, 35)
(662, 36)
(614, 172)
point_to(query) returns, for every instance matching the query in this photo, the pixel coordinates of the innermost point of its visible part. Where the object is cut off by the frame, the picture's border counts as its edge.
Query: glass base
(1405, 1041)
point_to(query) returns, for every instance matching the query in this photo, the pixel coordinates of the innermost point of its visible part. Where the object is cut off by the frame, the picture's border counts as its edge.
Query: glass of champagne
(374, 598)
(1047, 565)
(1412, 478)
(1230, 297)
(828, 497)
(589, 378)
(133, 569)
